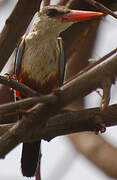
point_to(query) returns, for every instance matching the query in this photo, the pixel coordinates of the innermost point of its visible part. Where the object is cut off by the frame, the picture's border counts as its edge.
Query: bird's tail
(29, 158)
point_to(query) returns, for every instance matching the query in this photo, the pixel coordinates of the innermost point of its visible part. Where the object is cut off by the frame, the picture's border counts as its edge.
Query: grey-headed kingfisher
(40, 63)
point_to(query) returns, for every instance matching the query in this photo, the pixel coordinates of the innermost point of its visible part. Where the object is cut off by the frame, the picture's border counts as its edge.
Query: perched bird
(40, 62)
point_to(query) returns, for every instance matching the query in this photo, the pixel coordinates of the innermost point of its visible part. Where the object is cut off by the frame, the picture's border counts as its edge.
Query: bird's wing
(19, 55)
(62, 61)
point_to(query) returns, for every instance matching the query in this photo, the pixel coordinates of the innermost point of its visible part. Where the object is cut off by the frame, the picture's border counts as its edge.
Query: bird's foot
(100, 126)
(10, 76)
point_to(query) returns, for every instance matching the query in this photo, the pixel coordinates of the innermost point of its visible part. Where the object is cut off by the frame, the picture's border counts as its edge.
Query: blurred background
(60, 160)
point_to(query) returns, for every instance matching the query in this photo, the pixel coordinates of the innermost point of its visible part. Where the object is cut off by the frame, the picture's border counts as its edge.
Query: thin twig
(25, 90)
(102, 59)
(101, 7)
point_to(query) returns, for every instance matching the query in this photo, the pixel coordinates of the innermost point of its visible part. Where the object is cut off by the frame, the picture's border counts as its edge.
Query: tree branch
(15, 27)
(101, 7)
(97, 150)
(66, 122)
(25, 90)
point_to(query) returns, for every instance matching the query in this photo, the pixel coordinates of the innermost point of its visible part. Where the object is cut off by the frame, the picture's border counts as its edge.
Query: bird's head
(59, 18)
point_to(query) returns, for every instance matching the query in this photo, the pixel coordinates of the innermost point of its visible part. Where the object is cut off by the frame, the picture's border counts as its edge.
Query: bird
(40, 64)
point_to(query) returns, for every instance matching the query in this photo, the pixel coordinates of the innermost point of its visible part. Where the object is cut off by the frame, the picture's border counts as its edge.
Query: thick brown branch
(15, 27)
(25, 103)
(78, 121)
(98, 151)
(66, 122)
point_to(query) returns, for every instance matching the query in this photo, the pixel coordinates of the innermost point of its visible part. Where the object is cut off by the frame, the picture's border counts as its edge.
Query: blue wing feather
(17, 59)
(19, 55)
(62, 61)
(62, 67)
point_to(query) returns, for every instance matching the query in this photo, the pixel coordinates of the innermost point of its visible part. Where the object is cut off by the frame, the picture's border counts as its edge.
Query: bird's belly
(40, 75)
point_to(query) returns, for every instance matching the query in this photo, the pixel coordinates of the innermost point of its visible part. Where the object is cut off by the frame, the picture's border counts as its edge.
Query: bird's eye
(52, 13)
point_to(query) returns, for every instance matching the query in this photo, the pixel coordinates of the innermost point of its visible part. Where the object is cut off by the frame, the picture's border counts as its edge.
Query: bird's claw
(10, 76)
(100, 127)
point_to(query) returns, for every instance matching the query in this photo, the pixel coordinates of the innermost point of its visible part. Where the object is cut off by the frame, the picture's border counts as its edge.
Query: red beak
(77, 15)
